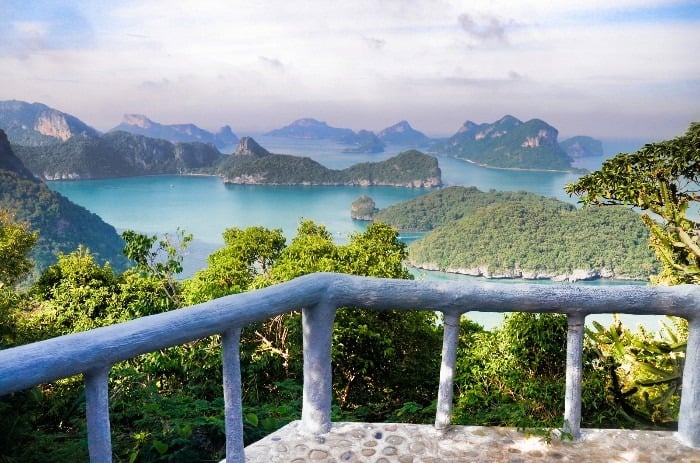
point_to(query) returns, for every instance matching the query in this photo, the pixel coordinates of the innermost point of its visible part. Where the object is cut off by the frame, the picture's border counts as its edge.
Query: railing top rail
(69, 355)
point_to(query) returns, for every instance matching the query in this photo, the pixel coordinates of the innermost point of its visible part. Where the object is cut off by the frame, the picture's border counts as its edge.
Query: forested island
(508, 143)
(123, 154)
(521, 235)
(411, 169)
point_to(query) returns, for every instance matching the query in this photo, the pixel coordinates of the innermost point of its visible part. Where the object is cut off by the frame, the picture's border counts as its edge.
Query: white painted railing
(318, 296)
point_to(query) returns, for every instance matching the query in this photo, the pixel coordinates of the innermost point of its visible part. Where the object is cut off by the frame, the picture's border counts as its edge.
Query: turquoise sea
(205, 206)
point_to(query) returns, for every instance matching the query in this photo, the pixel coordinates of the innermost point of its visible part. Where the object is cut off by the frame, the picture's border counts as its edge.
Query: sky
(622, 69)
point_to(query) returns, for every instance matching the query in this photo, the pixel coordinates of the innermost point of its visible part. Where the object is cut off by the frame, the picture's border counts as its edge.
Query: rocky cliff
(35, 124)
(138, 124)
(249, 147)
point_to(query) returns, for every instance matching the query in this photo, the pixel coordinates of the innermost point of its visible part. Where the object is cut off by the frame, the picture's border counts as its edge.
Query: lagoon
(205, 206)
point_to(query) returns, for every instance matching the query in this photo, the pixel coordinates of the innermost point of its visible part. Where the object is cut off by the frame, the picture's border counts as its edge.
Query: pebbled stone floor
(407, 443)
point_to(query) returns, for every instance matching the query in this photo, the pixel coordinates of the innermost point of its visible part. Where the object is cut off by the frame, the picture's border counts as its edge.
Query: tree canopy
(16, 240)
(662, 179)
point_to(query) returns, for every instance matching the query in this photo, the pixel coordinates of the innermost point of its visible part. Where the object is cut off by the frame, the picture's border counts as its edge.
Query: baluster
(317, 324)
(574, 374)
(450, 341)
(233, 406)
(689, 414)
(97, 414)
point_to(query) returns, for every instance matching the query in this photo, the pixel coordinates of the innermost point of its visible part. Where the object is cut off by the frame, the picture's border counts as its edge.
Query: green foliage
(662, 178)
(410, 168)
(16, 240)
(383, 359)
(528, 233)
(513, 375)
(76, 294)
(232, 269)
(62, 225)
(162, 261)
(646, 368)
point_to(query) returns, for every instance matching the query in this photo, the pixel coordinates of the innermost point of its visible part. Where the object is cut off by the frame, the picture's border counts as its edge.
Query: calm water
(205, 206)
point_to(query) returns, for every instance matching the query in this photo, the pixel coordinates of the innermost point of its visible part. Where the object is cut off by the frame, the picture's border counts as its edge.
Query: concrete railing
(318, 296)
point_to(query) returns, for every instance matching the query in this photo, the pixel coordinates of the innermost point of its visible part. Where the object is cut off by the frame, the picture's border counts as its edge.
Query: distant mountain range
(62, 225)
(506, 143)
(363, 141)
(223, 139)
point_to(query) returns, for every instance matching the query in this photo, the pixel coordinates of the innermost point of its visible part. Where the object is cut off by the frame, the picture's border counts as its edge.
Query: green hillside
(62, 225)
(539, 238)
(407, 169)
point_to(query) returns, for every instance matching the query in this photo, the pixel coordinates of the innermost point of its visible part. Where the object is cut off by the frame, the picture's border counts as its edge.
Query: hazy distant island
(138, 124)
(253, 165)
(363, 141)
(56, 145)
(500, 234)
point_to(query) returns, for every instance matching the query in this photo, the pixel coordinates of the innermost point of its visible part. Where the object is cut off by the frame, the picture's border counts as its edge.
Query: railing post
(317, 324)
(233, 406)
(450, 341)
(574, 374)
(97, 414)
(689, 413)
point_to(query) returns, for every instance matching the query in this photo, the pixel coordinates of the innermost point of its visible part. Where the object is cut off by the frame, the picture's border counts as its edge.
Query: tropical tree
(16, 240)
(160, 259)
(662, 179)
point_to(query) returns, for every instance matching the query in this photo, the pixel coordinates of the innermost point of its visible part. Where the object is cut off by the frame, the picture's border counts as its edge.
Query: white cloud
(435, 63)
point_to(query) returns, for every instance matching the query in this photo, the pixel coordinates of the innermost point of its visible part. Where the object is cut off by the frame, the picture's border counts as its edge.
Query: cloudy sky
(622, 69)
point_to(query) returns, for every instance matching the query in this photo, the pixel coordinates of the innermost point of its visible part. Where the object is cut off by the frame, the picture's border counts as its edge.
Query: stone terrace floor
(407, 443)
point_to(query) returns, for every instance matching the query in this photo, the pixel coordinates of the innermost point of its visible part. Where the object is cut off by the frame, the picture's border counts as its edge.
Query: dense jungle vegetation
(410, 168)
(167, 405)
(513, 232)
(62, 225)
(546, 237)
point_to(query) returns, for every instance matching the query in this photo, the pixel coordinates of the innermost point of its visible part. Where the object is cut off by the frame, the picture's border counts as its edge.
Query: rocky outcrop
(35, 124)
(485, 272)
(249, 147)
(363, 208)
